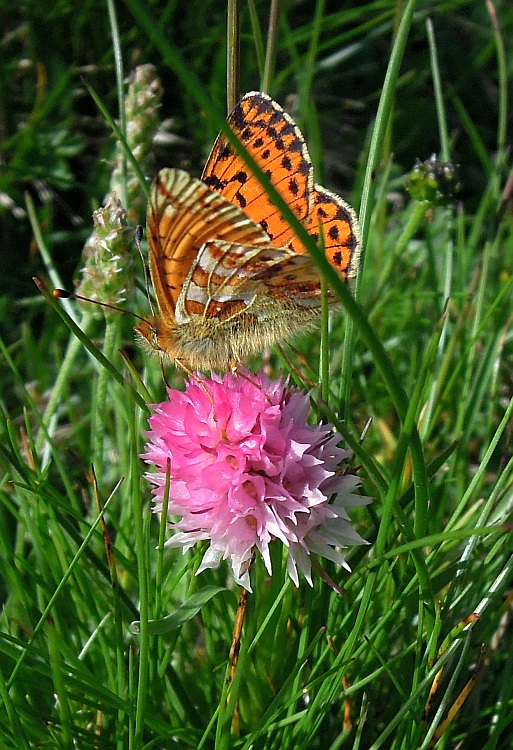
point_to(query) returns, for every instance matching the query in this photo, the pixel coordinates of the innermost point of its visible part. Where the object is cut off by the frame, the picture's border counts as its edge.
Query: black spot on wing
(213, 181)
(293, 186)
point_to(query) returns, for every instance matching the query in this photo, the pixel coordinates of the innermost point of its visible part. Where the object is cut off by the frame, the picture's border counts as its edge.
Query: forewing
(184, 214)
(273, 139)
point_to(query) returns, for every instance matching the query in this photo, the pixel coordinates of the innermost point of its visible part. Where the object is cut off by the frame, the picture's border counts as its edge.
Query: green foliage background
(433, 372)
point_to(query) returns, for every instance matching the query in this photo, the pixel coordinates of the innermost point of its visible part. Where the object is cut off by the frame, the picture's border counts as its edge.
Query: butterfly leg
(294, 369)
(181, 364)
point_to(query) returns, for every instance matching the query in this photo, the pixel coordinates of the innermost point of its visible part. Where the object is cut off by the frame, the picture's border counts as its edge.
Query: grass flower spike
(246, 469)
(107, 268)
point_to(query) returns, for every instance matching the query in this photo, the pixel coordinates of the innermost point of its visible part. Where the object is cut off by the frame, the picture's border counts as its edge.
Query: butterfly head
(156, 337)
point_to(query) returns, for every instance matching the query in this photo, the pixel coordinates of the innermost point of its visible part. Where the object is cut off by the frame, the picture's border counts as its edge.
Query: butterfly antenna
(139, 232)
(64, 294)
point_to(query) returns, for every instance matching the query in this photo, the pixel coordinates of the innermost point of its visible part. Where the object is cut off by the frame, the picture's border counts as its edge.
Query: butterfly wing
(226, 279)
(294, 281)
(229, 275)
(183, 214)
(273, 139)
(275, 142)
(341, 234)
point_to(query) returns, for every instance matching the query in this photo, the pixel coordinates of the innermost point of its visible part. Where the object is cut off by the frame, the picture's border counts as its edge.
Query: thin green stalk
(17, 729)
(408, 436)
(205, 738)
(361, 724)
(417, 670)
(305, 639)
(58, 675)
(66, 370)
(444, 703)
(159, 574)
(504, 424)
(382, 119)
(446, 155)
(382, 362)
(132, 694)
(437, 83)
(374, 159)
(119, 642)
(45, 255)
(448, 274)
(46, 438)
(233, 54)
(480, 220)
(414, 697)
(257, 38)
(476, 138)
(500, 488)
(120, 79)
(270, 53)
(141, 554)
(495, 384)
(112, 327)
(469, 373)
(503, 83)
(409, 427)
(324, 353)
(313, 50)
(62, 583)
(64, 376)
(413, 222)
(121, 138)
(91, 348)
(222, 738)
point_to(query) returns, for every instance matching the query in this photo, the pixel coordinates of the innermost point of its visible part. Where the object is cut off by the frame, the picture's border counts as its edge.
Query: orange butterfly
(230, 276)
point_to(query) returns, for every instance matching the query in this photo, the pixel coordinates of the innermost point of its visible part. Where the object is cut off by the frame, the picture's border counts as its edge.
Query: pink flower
(246, 468)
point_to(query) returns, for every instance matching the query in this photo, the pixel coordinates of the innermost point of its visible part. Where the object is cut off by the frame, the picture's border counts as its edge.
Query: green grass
(426, 354)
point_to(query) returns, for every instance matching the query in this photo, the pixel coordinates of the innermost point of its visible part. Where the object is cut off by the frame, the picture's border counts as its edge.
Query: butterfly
(230, 276)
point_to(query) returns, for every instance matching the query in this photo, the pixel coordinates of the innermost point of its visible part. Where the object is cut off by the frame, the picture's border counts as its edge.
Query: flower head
(246, 469)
